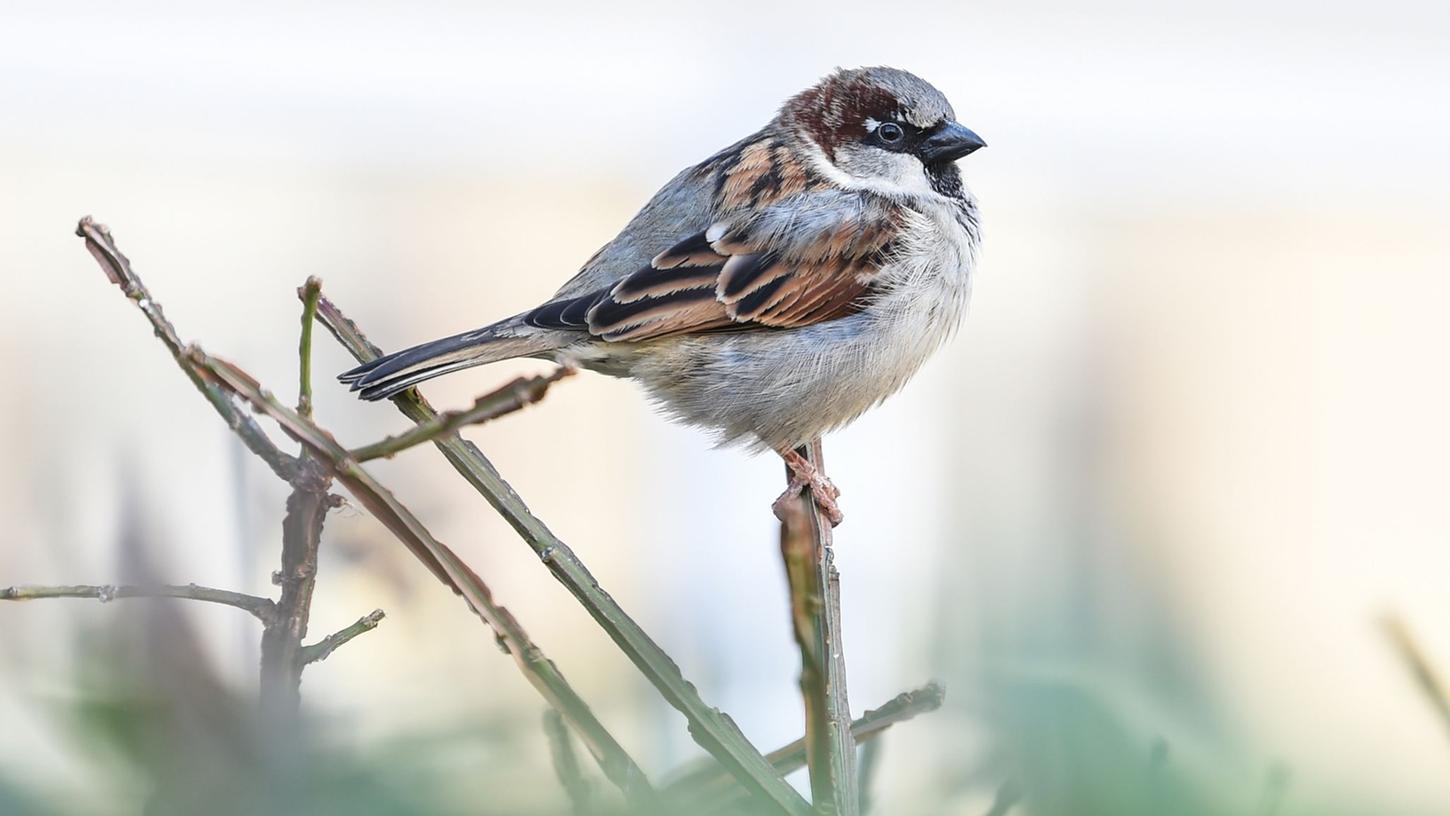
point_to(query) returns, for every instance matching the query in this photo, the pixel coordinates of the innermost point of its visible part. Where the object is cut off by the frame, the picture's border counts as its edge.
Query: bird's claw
(805, 476)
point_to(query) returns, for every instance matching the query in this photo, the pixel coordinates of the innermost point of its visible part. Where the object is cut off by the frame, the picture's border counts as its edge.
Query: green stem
(309, 292)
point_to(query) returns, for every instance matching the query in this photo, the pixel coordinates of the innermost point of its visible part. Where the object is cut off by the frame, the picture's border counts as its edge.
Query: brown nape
(836, 110)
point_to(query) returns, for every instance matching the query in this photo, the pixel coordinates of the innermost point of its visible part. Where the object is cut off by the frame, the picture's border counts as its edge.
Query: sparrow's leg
(803, 475)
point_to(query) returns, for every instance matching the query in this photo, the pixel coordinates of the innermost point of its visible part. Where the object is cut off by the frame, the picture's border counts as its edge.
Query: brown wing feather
(769, 272)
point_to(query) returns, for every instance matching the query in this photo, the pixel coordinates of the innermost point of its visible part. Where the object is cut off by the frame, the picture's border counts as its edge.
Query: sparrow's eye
(890, 132)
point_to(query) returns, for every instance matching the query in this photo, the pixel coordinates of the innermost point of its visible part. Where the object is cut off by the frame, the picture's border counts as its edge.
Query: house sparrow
(775, 291)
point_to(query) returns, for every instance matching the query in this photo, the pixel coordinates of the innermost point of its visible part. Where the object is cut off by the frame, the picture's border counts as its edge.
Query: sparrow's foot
(804, 475)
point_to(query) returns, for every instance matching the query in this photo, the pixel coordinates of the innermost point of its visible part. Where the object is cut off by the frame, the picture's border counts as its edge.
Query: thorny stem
(325, 647)
(260, 608)
(511, 397)
(711, 728)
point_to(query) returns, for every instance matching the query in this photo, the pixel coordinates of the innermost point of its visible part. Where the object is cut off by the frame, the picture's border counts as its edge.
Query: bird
(775, 291)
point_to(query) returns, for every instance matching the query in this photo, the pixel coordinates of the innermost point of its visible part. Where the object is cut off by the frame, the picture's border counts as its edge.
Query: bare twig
(566, 764)
(513, 396)
(261, 608)
(711, 728)
(325, 647)
(118, 269)
(805, 545)
(704, 781)
(307, 506)
(541, 672)
(1431, 685)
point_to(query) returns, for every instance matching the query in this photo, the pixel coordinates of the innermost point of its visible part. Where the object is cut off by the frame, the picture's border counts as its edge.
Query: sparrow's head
(881, 128)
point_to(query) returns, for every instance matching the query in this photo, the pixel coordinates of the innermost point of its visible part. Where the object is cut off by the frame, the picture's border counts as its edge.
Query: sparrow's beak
(949, 143)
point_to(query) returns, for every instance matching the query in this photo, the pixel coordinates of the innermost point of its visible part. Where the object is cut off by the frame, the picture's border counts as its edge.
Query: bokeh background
(1143, 516)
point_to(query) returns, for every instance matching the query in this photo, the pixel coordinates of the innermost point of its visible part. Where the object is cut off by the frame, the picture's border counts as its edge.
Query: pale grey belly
(771, 388)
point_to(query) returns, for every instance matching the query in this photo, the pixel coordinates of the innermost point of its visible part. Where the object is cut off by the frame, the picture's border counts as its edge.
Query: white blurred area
(1200, 399)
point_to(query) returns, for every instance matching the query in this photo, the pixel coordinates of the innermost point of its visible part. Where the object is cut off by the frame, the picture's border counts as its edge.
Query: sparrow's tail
(392, 373)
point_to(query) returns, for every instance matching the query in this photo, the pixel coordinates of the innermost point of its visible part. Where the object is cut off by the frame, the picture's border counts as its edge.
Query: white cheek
(907, 173)
(891, 174)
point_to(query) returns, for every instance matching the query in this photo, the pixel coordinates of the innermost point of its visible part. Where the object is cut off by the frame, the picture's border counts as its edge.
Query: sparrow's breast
(781, 388)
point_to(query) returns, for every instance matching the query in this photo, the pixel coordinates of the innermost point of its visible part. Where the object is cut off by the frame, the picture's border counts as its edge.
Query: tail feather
(392, 373)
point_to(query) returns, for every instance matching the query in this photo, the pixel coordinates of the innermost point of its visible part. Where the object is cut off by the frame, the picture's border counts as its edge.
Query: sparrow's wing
(803, 260)
(682, 206)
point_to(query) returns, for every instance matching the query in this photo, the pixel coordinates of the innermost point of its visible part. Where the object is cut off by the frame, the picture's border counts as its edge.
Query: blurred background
(1143, 516)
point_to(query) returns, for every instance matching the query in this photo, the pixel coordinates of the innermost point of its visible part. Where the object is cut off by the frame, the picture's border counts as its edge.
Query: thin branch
(282, 663)
(325, 647)
(261, 608)
(511, 397)
(1426, 678)
(307, 506)
(566, 764)
(118, 269)
(309, 292)
(541, 672)
(704, 781)
(711, 728)
(805, 544)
